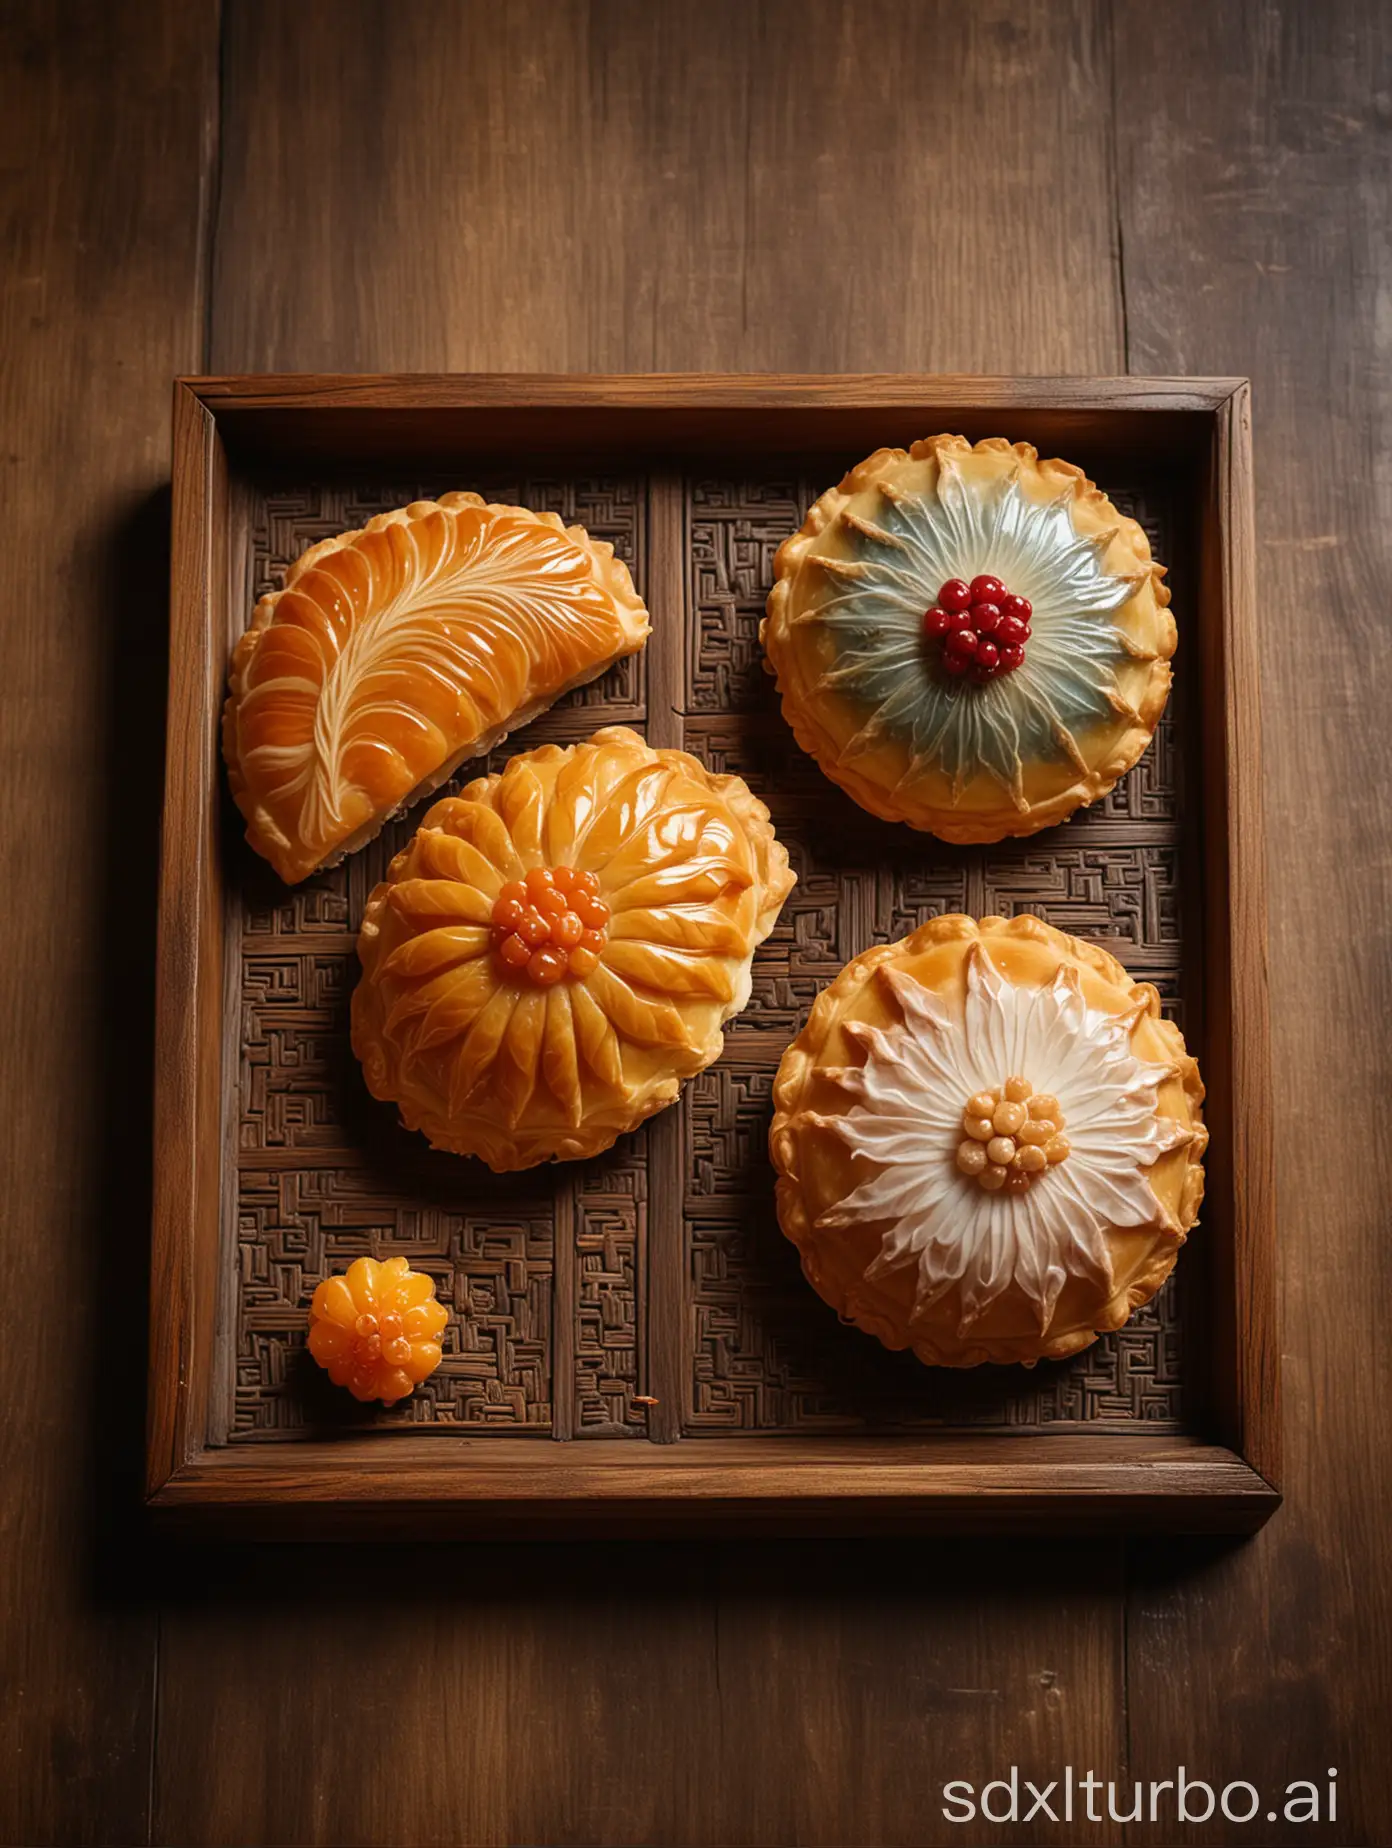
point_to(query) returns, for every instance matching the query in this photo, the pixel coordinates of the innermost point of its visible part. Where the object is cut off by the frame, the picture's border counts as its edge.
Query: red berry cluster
(982, 628)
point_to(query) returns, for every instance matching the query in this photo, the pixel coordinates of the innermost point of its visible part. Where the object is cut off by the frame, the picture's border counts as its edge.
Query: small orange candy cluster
(551, 925)
(376, 1330)
(1013, 1134)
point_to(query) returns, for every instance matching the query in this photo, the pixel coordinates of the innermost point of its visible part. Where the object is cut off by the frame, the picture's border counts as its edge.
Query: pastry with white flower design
(988, 1142)
(393, 654)
(560, 945)
(970, 639)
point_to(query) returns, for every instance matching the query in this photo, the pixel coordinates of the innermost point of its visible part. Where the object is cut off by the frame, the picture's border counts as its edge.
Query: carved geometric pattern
(324, 1174)
(1124, 897)
(492, 1270)
(767, 1353)
(728, 1107)
(606, 1332)
(735, 529)
(611, 1216)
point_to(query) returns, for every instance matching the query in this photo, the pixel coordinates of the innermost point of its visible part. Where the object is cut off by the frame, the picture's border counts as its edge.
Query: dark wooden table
(997, 187)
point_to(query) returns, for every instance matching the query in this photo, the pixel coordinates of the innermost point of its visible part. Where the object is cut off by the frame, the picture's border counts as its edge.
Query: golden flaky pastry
(394, 653)
(969, 639)
(988, 1142)
(559, 946)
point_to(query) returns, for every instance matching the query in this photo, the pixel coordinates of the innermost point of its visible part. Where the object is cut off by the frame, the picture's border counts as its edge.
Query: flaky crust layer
(815, 1171)
(984, 811)
(481, 1063)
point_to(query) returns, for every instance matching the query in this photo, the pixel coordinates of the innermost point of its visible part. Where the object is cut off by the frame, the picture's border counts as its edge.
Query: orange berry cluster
(376, 1329)
(551, 925)
(1012, 1135)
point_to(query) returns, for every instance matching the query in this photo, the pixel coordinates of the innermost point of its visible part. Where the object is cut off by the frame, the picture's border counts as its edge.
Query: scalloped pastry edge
(983, 826)
(506, 1152)
(802, 1056)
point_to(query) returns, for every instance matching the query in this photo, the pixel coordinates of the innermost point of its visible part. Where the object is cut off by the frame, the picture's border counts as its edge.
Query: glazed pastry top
(559, 946)
(948, 1135)
(394, 652)
(1053, 695)
(988, 1142)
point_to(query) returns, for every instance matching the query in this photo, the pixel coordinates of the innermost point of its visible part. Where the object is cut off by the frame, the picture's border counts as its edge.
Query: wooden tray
(657, 1271)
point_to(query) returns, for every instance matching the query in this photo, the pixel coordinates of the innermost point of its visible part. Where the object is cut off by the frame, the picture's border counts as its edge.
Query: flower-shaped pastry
(376, 1329)
(969, 639)
(988, 1142)
(559, 946)
(394, 653)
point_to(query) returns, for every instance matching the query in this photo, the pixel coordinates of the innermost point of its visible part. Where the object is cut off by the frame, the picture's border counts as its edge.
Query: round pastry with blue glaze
(969, 639)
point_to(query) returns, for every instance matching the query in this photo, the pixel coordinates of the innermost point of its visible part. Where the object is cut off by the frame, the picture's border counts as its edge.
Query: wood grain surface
(1156, 185)
(104, 204)
(1235, 246)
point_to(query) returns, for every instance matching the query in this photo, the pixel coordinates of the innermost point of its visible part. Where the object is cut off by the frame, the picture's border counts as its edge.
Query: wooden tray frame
(414, 1486)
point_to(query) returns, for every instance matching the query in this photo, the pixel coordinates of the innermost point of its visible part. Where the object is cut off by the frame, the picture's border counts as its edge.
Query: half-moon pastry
(394, 653)
(988, 1142)
(559, 946)
(969, 639)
